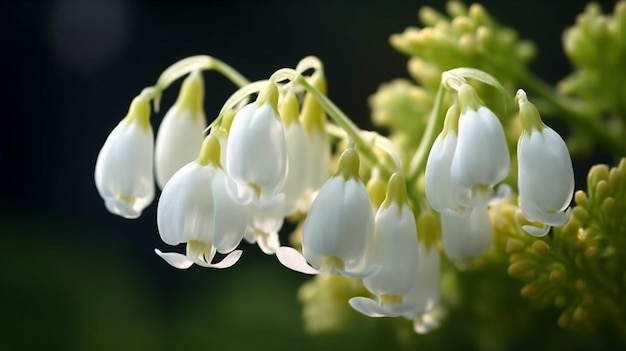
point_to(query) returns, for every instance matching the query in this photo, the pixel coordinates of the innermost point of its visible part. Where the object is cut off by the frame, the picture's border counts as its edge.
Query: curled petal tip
(292, 259)
(174, 259)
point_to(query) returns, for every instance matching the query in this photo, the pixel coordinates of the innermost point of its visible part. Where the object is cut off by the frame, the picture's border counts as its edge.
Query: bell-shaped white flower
(256, 152)
(338, 227)
(465, 236)
(481, 159)
(545, 173)
(181, 132)
(314, 122)
(425, 293)
(195, 208)
(124, 175)
(441, 192)
(394, 249)
(297, 156)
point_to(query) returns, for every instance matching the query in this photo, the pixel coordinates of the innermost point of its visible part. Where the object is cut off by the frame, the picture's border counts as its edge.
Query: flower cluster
(268, 160)
(470, 157)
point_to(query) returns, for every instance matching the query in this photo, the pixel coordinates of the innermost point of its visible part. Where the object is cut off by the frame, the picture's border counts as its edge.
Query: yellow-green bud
(608, 205)
(557, 277)
(428, 229)
(560, 301)
(580, 213)
(456, 8)
(514, 245)
(529, 290)
(540, 247)
(598, 173)
(376, 189)
(581, 199)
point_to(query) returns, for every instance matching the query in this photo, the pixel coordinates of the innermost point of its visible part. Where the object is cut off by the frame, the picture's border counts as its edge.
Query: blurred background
(73, 276)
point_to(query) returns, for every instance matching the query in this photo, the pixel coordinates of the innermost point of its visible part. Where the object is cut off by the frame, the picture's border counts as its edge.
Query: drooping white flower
(256, 152)
(465, 236)
(338, 227)
(426, 290)
(195, 208)
(394, 249)
(181, 132)
(481, 159)
(314, 122)
(441, 192)
(123, 174)
(297, 155)
(545, 173)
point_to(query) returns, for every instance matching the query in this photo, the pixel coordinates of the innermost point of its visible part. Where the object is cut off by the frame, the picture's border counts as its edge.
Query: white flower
(256, 152)
(545, 177)
(124, 175)
(181, 132)
(481, 159)
(318, 158)
(545, 173)
(426, 290)
(440, 191)
(195, 208)
(394, 249)
(298, 171)
(338, 227)
(465, 236)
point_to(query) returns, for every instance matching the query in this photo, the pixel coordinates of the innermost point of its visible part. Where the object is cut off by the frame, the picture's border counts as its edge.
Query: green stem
(579, 120)
(435, 123)
(338, 116)
(193, 63)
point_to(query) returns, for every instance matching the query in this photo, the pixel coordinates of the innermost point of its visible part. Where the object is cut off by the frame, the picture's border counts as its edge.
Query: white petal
(175, 259)
(481, 156)
(186, 207)
(372, 308)
(123, 173)
(268, 242)
(536, 231)
(394, 248)
(318, 159)
(426, 290)
(359, 274)
(231, 217)
(339, 224)
(121, 208)
(440, 190)
(425, 323)
(226, 262)
(465, 236)
(368, 307)
(178, 142)
(292, 259)
(503, 193)
(256, 150)
(545, 176)
(297, 175)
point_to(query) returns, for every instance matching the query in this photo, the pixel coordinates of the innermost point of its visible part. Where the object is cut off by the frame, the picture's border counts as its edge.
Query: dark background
(75, 277)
